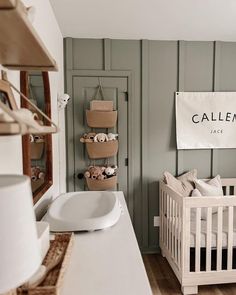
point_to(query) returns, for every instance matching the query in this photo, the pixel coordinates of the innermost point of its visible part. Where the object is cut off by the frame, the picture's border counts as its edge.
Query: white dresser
(107, 262)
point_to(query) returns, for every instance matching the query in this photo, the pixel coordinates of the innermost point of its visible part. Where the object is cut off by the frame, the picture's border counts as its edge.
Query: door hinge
(126, 161)
(126, 96)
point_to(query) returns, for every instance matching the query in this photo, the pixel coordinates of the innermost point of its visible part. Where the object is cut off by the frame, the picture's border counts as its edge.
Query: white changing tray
(83, 211)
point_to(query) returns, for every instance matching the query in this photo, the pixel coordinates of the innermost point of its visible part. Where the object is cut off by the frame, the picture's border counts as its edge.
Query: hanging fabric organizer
(37, 149)
(101, 185)
(100, 118)
(101, 115)
(101, 150)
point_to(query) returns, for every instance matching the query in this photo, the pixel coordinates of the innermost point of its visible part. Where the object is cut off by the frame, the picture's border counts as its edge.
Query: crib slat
(173, 230)
(165, 216)
(230, 238)
(234, 192)
(227, 190)
(208, 238)
(161, 215)
(166, 229)
(168, 223)
(198, 240)
(176, 232)
(219, 238)
(187, 240)
(180, 216)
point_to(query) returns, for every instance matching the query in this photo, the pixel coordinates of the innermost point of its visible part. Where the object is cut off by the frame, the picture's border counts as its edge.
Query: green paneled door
(84, 90)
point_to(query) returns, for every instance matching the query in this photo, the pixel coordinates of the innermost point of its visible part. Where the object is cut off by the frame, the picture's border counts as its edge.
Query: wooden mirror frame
(26, 148)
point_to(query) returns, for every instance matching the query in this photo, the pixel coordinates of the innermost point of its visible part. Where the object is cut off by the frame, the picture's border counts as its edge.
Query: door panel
(84, 90)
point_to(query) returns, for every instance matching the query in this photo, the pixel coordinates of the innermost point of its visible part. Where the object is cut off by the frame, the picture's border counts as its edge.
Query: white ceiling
(147, 19)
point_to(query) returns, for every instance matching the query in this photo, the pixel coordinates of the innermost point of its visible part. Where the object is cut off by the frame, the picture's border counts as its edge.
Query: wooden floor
(163, 280)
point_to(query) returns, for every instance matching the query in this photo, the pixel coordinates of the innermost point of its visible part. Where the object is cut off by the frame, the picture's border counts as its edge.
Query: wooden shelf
(8, 4)
(20, 46)
(14, 129)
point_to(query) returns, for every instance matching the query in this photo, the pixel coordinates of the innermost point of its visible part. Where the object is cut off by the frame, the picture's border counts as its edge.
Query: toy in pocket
(95, 172)
(111, 171)
(88, 137)
(99, 137)
(100, 172)
(112, 136)
(37, 173)
(36, 138)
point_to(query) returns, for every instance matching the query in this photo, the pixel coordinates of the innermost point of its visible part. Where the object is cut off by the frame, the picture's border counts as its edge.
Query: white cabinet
(107, 262)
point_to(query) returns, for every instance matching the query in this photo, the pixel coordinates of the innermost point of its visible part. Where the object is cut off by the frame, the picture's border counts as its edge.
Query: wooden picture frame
(26, 147)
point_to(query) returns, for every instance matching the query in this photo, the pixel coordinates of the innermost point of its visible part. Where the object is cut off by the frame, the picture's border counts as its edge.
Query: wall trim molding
(144, 137)
(68, 66)
(216, 87)
(107, 54)
(181, 76)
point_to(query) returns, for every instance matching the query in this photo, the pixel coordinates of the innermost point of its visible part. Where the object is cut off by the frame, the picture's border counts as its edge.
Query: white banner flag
(205, 120)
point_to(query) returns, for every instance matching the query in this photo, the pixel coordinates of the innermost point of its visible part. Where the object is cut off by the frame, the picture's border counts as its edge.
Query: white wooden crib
(185, 239)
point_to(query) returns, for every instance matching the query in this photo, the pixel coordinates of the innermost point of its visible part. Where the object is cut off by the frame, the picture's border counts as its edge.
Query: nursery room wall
(159, 69)
(10, 146)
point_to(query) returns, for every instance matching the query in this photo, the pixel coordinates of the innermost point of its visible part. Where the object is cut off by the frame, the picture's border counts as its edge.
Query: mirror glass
(37, 141)
(37, 148)
(4, 99)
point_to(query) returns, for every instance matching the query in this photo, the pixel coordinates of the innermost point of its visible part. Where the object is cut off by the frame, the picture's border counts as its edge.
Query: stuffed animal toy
(63, 100)
(101, 177)
(37, 173)
(29, 118)
(95, 172)
(88, 137)
(111, 171)
(87, 174)
(36, 138)
(112, 136)
(100, 137)
(31, 138)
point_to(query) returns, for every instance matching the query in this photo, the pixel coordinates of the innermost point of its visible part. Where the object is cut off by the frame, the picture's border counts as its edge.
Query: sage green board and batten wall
(159, 69)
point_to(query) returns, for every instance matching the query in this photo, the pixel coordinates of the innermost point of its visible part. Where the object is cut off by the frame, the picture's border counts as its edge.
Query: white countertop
(107, 262)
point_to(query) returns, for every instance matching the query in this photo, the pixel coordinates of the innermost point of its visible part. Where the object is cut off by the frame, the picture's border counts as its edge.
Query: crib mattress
(214, 230)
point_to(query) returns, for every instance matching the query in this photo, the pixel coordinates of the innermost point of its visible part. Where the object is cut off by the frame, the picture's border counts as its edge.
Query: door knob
(80, 175)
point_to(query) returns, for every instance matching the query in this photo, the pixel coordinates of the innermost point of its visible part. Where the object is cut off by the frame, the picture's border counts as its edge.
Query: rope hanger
(99, 89)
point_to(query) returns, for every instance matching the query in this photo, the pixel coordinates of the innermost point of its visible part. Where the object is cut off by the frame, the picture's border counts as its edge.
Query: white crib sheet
(214, 230)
